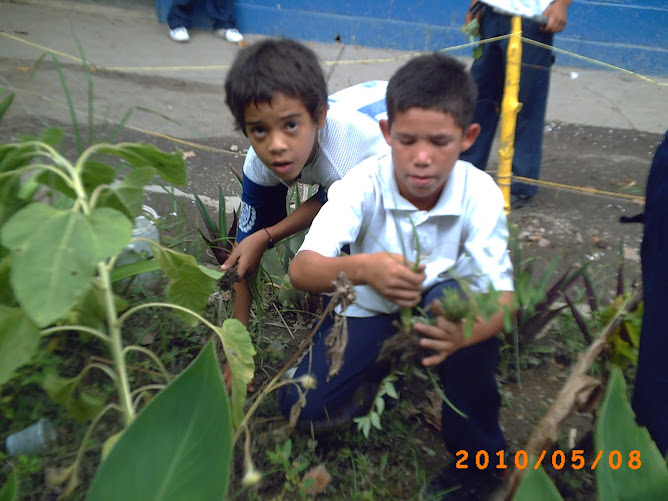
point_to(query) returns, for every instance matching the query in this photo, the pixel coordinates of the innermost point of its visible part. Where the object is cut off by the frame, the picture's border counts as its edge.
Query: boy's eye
(291, 126)
(441, 142)
(257, 131)
(406, 140)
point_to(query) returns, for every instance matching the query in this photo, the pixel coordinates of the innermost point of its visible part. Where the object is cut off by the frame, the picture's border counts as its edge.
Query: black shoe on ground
(519, 201)
(453, 484)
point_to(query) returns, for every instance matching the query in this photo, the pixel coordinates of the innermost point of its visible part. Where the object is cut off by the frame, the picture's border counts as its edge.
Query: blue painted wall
(632, 34)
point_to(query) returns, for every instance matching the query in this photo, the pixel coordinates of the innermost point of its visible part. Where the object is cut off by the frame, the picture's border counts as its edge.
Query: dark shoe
(519, 201)
(453, 484)
(358, 405)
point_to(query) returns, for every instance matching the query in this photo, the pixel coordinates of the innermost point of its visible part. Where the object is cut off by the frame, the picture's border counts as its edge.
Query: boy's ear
(385, 129)
(470, 135)
(321, 117)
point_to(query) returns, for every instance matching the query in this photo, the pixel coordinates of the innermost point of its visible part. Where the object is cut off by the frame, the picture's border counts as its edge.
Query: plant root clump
(227, 281)
(402, 349)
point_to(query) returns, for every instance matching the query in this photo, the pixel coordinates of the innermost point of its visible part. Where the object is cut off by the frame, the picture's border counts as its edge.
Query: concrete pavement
(137, 65)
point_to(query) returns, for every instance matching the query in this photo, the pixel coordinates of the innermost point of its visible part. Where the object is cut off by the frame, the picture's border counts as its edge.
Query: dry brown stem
(575, 389)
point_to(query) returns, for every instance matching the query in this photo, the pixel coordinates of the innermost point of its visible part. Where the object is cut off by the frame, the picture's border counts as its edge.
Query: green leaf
(11, 201)
(188, 286)
(109, 443)
(111, 231)
(616, 430)
(5, 102)
(52, 136)
(65, 391)
(178, 448)
(19, 338)
(95, 173)
(215, 274)
(9, 491)
(6, 296)
(128, 195)
(375, 420)
(536, 484)
(134, 268)
(239, 351)
(54, 261)
(169, 166)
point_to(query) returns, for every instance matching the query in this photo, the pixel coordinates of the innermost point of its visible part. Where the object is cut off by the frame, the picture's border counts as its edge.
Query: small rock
(234, 148)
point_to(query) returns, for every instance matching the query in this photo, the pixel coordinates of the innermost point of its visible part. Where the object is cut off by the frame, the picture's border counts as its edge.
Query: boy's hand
(392, 278)
(247, 254)
(557, 15)
(474, 11)
(444, 338)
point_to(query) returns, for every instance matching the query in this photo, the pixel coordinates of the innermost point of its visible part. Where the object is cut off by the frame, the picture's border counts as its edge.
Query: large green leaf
(6, 296)
(65, 391)
(239, 352)
(9, 194)
(128, 195)
(55, 259)
(170, 166)
(616, 430)
(19, 338)
(179, 447)
(188, 285)
(536, 485)
(9, 491)
(111, 230)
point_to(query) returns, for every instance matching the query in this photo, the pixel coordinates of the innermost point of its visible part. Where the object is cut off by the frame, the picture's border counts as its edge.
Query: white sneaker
(231, 34)
(179, 34)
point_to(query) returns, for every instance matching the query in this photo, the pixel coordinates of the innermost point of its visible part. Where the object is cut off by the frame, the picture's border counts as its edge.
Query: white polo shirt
(464, 236)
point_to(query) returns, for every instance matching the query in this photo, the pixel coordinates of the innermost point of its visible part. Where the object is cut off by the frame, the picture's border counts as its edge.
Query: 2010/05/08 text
(559, 459)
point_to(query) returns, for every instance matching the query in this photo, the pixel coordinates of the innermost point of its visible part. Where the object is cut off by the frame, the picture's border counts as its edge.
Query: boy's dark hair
(274, 66)
(433, 82)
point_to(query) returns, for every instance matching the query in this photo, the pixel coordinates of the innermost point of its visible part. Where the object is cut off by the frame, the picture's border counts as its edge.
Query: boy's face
(283, 134)
(425, 146)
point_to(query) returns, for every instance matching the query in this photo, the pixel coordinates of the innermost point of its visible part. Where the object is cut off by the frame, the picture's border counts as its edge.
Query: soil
(558, 223)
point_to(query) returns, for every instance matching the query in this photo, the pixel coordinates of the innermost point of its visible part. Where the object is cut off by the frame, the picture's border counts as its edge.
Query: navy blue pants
(651, 387)
(468, 379)
(489, 73)
(220, 11)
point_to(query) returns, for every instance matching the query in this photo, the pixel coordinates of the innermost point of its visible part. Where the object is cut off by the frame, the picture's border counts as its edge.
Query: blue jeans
(220, 11)
(467, 376)
(489, 72)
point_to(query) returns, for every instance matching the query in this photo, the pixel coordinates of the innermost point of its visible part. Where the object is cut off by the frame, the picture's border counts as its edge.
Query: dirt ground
(559, 223)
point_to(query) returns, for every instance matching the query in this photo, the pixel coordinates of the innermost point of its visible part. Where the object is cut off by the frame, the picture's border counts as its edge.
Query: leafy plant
(630, 466)
(56, 259)
(372, 418)
(472, 31)
(292, 469)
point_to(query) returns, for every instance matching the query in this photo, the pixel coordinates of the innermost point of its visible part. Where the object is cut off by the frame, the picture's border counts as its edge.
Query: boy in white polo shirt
(420, 191)
(277, 93)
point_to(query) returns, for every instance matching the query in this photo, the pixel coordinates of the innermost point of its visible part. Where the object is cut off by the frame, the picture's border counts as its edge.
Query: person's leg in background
(488, 71)
(652, 375)
(180, 14)
(180, 19)
(224, 22)
(534, 88)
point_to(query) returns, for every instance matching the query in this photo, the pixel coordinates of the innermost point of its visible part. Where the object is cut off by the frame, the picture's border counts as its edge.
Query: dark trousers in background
(468, 378)
(651, 387)
(489, 73)
(220, 11)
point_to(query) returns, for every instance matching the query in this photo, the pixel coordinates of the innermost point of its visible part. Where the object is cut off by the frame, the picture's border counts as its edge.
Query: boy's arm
(445, 338)
(248, 253)
(385, 272)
